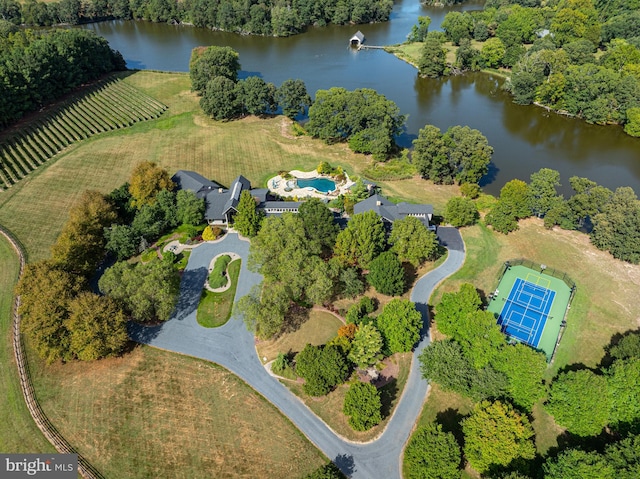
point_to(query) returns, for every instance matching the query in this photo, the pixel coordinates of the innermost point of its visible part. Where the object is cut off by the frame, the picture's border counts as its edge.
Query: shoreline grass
(215, 309)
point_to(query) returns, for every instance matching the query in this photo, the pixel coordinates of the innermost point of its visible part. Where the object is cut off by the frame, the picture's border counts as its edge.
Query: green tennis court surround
(530, 306)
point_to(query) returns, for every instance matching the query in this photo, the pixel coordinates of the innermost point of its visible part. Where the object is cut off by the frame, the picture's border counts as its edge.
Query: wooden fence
(38, 415)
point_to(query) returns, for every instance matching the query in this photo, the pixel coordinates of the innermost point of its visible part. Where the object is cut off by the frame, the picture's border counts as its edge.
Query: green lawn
(215, 309)
(18, 432)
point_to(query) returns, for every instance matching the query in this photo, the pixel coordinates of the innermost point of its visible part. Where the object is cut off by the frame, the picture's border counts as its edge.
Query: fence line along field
(108, 105)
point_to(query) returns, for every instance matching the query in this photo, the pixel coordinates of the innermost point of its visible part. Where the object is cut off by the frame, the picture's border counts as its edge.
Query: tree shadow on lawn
(295, 318)
(451, 421)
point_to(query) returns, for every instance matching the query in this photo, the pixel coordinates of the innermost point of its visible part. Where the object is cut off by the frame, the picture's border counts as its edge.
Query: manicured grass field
(215, 309)
(18, 432)
(157, 414)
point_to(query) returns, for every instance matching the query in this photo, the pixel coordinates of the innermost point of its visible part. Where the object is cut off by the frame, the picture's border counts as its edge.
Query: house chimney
(378, 203)
(220, 190)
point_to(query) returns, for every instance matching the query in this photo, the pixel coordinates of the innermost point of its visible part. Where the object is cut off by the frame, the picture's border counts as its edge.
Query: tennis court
(525, 311)
(530, 306)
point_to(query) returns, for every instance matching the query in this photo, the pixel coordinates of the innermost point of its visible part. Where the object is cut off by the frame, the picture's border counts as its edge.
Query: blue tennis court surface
(525, 311)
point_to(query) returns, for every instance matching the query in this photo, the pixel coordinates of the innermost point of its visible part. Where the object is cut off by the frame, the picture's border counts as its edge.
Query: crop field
(109, 105)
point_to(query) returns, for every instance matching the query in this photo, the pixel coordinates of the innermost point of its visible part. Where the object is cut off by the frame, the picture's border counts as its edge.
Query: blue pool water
(323, 185)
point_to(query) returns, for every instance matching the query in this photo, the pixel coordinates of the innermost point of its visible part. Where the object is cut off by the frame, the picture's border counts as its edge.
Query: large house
(221, 203)
(390, 212)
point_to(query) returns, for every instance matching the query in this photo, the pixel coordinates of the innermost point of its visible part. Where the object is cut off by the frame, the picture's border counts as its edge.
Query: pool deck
(277, 185)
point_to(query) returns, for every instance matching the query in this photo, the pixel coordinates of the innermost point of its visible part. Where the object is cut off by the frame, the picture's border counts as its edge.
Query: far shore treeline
(262, 17)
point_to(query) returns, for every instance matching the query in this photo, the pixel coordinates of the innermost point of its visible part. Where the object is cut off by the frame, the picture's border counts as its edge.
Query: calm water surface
(525, 138)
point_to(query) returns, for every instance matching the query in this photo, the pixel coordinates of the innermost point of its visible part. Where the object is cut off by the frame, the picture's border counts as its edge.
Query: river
(525, 138)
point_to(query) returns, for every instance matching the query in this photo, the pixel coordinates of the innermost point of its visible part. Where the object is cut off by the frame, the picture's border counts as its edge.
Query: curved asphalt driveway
(232, 346)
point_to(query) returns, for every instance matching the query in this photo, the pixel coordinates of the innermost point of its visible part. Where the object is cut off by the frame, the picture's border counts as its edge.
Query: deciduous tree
(366, 347)
(220, 99)
(386, 274)
(362, 240)
(524, 368)
(432, 454)
(190, 208)
(80, 247)
(400, 324)
(497, 436)
(206, 63)
(461, 211)
(264, 308)
(147, 179)
(362, 404)
(322, 367)
(318, 223)
(97, 326)
(623, 378)
(293, 98)
(577, 464)
(412, 241)
(578, 400)
(46, 291)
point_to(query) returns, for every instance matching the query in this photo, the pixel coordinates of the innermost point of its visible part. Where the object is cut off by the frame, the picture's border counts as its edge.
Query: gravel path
(232, 346)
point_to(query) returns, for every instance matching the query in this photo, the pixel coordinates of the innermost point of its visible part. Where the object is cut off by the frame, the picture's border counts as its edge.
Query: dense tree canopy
(362, 240)
(322, 367)
(207, 63)
(38, 67)
(292, 96)
(497, 436)
(147, 291)
(97, 326)
(461, 211)
(578, 400)
(362, 404)
(366, 346)
(146, 181)
(46, 291)
(461, 154)
(400, 324)
(432, 454)
(412, 241)
(264, 308)
(364, 117)
(80, 247)
(386, 274)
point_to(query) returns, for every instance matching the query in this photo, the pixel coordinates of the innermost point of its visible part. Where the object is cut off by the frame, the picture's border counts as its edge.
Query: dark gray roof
(190, 180)
(290, 205)
(411, 209)
(390, 211)
(215, 204)
(262, 194)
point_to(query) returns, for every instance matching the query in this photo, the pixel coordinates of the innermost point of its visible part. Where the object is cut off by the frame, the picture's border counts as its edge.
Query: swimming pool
(323, 185)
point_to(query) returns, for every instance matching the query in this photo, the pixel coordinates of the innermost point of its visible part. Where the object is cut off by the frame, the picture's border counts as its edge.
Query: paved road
(232, 346)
